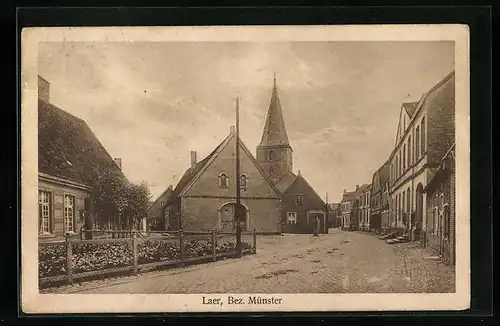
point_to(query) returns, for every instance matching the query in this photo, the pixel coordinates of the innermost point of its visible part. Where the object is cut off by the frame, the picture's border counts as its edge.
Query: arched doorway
(419, 205)
(227, 217)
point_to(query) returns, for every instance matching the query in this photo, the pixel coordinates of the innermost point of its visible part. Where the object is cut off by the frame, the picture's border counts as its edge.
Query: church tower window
(270, 155)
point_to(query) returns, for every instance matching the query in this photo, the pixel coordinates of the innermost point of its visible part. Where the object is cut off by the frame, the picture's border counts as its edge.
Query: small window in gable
(223, 180)
(243, 181)
(299, 199)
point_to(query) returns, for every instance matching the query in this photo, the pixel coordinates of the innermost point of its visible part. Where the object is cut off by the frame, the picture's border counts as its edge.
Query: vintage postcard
(250, 169)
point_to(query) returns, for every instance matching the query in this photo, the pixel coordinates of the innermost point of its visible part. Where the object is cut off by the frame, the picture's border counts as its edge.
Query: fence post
(134, 252)
(181, 244)
(214, 245)
(69, 260)
(254, 241)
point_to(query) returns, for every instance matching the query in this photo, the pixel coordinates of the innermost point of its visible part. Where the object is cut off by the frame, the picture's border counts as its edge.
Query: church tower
(274, 153)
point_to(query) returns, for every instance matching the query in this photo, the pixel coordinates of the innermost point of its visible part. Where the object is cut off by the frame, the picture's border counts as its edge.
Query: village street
(338, 262)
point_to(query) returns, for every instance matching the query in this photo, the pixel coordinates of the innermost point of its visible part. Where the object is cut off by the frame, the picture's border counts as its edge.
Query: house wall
(208, 183)
(434, 234)
(436, 112)
(311, 202)
(440, 106)
(57, 210)
(201, 203)
(203, 214)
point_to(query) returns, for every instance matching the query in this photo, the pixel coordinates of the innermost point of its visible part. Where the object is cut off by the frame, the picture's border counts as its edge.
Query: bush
(99, 256)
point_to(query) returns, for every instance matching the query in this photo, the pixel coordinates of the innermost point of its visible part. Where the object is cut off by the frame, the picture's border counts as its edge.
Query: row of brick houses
(413, 193)
(274, 199)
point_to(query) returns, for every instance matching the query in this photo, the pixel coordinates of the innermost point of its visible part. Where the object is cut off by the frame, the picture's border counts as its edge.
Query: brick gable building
(205, 197)
(441, 222)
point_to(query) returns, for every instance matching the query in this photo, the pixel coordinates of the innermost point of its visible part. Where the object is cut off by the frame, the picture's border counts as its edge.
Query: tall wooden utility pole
(237, 209)
(326, 214)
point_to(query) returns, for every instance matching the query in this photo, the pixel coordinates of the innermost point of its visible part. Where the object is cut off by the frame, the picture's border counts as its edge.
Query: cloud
(151, 103)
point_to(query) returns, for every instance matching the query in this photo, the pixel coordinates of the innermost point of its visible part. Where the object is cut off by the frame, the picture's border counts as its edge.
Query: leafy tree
(119, 203)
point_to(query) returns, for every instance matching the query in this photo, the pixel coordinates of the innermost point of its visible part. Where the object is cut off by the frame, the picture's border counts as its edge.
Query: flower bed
(101, 256)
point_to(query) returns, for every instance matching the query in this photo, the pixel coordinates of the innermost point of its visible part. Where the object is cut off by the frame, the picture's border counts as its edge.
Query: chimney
(43, 89)
(118, 162)
(193, 158)
(171, 187)
(345, 191)
(298, 172)
(232, 130)
(357, 187)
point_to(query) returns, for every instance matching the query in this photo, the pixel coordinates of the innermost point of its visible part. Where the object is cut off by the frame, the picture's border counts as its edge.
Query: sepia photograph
(245, 169)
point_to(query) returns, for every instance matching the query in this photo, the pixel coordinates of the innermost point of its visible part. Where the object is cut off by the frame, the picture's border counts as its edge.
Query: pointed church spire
(274, 129)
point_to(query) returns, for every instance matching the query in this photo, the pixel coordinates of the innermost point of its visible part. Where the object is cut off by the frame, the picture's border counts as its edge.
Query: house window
(69, 213)
(403, 207)
(291, 218)
(422, 130)
(44, 212)
(417, 143)
(408, 201)
(409, 151)
(299, 199)
(162, 204)
(243, 181)
(404, 157)
(223, 180)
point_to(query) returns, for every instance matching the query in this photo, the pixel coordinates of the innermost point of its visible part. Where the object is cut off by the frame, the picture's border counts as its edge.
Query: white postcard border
(34, 302)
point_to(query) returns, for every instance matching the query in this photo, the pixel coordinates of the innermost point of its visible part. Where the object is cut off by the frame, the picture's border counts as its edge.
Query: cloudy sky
(151, 103)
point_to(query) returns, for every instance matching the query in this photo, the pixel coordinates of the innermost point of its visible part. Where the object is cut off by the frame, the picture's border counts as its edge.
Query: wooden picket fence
(133, 239)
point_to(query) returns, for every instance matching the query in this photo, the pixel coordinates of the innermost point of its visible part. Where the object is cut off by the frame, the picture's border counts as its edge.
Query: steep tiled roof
(274, 133)
(67, 148)
(410, 108)
(286, 182)
(191, 173)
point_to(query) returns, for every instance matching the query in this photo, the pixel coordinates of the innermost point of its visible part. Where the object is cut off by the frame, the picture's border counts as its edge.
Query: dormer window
(223, 180)
(243, 181)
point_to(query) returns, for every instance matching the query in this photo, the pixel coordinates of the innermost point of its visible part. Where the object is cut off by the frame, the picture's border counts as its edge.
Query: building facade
(364, 207)
(348, 210)
(303, 209)
(425, 129)
(440, 193)
(334, 215)
(205, 197)
(379, 203)
(156, 220)
(69, 159)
